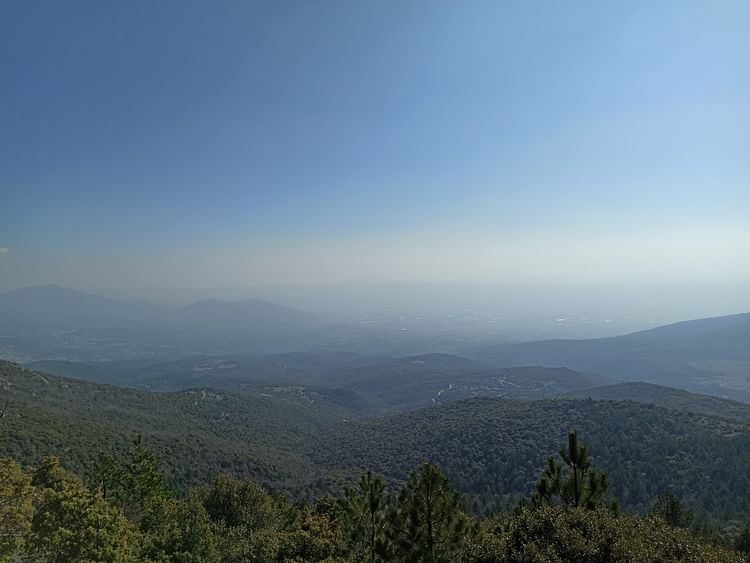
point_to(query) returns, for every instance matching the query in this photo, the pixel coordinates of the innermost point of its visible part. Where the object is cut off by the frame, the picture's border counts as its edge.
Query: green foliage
(673, 511)
(247, 520)
(50, 515)
(580, 486)
(364, 517)
(427, 524)
(72, 523)
(133, 485)
(554, 534)
(491, 451)
(494, 450)
(16, 505)
(316, 536)
(178, 531)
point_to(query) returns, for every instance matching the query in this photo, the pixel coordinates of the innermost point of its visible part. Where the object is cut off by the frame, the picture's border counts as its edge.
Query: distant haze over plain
(516, 312)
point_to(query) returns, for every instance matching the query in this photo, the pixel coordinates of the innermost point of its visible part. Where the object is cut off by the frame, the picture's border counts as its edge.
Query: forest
(663, 441)
(126, 511)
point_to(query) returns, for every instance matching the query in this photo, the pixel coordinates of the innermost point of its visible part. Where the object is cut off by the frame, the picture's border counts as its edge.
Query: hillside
(382, 383)
(666, 397)
(492, 450)
(705, 355)
(296, 439)
(440, 378)
(197, 433)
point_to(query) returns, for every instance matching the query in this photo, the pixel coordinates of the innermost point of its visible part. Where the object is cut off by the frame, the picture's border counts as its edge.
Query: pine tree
(672, 510)
(134, 485)
(580, 485)
(428, 524)
(364, 517)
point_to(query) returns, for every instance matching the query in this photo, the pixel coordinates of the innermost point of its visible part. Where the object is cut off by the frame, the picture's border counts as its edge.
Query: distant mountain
(52, 322)
(709, 355)
(51, 307)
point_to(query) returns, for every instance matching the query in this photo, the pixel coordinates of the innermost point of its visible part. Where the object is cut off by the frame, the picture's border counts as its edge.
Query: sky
(216, 144)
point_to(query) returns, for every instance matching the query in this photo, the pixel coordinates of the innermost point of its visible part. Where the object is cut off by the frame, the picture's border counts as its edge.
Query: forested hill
(197, 433)
(666, 397)
(492, 449)
(382, 384)
(305, 442)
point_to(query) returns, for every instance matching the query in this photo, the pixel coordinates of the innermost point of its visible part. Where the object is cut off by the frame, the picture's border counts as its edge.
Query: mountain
(706, 355)
(52, 322)
(51, 307)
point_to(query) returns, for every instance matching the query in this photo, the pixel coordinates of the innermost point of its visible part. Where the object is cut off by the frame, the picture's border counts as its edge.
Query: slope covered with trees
(306, 443)
(126, 512)
(666, 397)
(492, 450)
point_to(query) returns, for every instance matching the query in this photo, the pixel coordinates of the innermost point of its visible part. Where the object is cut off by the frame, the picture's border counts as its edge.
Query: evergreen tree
(134, 485)
(428, 525)
(364, 517)
(672, 510)
(580, 485)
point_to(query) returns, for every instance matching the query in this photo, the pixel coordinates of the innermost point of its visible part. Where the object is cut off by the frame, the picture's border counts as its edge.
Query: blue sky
(232, 143)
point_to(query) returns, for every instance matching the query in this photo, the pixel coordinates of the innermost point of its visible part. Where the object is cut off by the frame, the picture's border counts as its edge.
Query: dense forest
(306, 444)
(126, 511)
(492, 450)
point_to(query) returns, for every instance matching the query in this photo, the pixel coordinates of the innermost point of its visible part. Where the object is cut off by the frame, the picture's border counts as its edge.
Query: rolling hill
(493, 450)
(382, 384)
(307, 442)
(665, 397)
(197, 433)
(705, 355)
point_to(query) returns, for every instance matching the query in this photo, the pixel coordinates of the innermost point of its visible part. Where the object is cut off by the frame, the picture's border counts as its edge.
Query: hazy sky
(229, 143)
